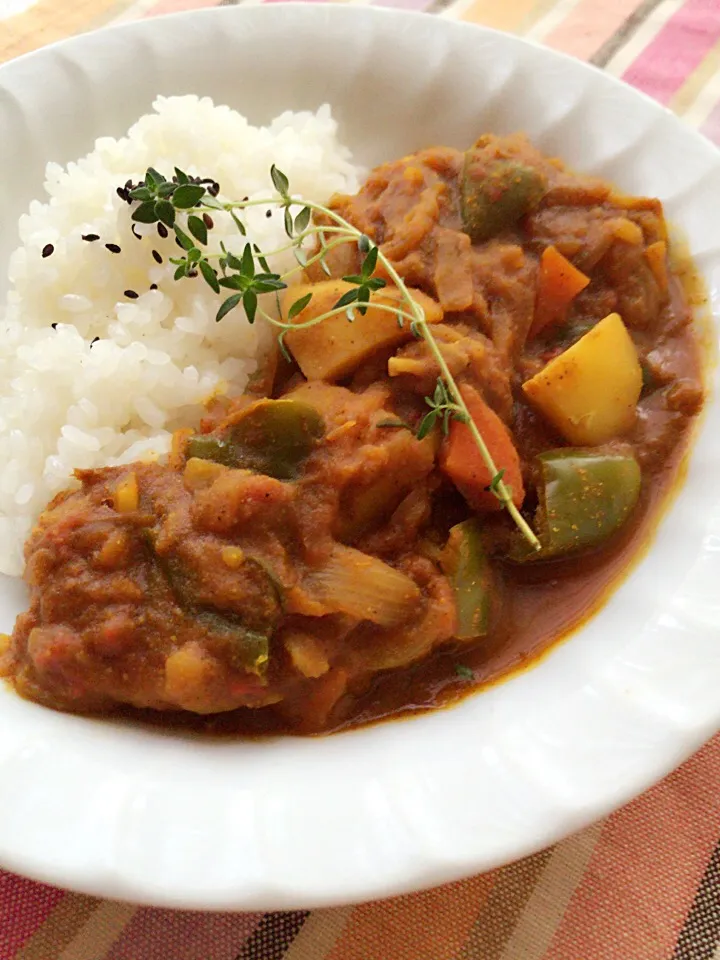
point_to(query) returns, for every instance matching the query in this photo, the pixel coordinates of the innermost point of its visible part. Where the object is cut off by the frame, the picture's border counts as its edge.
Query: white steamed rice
(65, 404)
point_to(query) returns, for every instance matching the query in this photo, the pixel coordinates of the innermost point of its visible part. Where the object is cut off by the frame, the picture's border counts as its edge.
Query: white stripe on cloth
(551, 895)
(318, 934)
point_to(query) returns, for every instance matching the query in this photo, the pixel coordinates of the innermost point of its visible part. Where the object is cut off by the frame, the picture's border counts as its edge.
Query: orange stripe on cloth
(59, 928)
(642, 878)
(100, 932)
(589, 25)
(501, 14)
(49, 21)
(424, 926)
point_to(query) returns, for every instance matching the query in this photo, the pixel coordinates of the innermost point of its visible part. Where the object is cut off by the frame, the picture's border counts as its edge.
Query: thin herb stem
(324, 250)
(314, 321)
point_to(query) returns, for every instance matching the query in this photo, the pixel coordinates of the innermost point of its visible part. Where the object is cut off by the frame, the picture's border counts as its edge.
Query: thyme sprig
(442, 408)
(249, 276)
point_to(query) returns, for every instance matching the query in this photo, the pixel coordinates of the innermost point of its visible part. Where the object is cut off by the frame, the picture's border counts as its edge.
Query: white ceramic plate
(163, 818)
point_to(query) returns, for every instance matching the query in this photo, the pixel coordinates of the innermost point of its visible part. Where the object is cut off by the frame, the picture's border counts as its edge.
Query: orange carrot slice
(559, 282)
(462, 462)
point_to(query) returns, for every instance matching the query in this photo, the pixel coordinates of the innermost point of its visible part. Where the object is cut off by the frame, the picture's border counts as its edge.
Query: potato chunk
(188, 677)
(590, 392)
(333, 348)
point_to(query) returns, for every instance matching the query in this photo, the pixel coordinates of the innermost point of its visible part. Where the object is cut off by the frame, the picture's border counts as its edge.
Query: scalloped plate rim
(277, 879)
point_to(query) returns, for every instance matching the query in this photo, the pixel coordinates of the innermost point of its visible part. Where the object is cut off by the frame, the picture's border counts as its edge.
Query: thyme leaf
(198, 229)
(299, 306)
(187, 195)
(145, 213)
(227, 305)
(209, 275)
(280, 182)
(165, 211)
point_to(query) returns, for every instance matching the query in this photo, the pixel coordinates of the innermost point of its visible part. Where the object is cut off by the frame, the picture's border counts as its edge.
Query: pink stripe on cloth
(646, 868)
(177, 6)
(24, 906)
(589, 25)
(670, 58)
(168, 935)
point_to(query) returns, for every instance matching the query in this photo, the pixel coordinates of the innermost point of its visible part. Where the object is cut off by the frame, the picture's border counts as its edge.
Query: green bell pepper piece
(275, 436)
(584, 497)
(205, 446)
(249, 649)
(467, 567)
(246, 632)
(272, 437)
(496, 194)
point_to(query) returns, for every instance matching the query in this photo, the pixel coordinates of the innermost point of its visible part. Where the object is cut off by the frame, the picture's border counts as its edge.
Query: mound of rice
(69, 400)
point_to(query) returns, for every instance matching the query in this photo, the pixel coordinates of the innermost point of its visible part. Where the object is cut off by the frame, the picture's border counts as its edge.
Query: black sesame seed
(54, 326)
(268, 213)
(113, 247)
(123, 194)
(131, 295)
(208, 221)
(245, 199)
(153, 286)
(156, 257)
(90, 237)
(94, 341)
(128, 184)
(162, 230)
(48, 249)
(214, 189)
(192, 273)
(138, 236)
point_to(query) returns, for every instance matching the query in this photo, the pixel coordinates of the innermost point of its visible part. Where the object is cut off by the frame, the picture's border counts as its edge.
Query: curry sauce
(330, 549)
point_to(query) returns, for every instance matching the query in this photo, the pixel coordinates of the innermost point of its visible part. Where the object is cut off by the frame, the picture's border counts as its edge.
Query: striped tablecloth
(642, 885)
